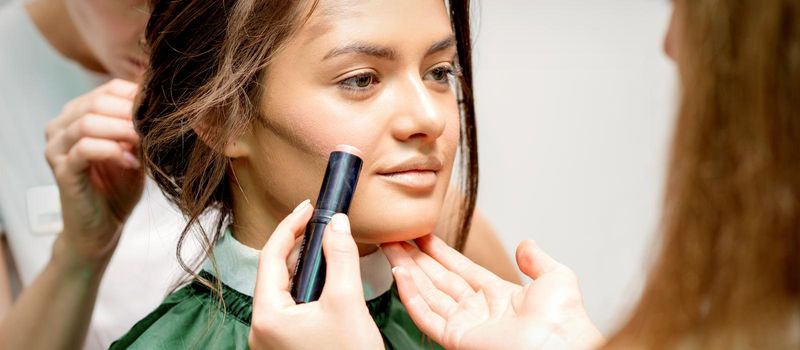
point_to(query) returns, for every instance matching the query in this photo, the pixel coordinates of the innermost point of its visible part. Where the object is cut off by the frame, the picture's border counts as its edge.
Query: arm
(57, 304)
(90, 149)
(484, 248)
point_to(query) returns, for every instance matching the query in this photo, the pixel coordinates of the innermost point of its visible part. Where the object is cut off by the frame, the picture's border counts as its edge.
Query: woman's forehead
(375, 19)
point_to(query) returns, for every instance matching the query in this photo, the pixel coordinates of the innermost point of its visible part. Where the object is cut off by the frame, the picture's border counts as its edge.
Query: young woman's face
(113, 29)
(376, 75)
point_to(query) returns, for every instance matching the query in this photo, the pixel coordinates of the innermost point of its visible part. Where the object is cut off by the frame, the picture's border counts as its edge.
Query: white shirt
(35, 83)
(237, 268)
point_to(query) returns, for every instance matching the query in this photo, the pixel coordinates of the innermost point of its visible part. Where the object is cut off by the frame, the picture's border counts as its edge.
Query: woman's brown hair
(207, 59)
(728, 272)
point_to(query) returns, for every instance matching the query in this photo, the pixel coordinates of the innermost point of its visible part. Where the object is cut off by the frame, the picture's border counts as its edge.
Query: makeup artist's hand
(338, 320)
(91, 149)
(461, 305)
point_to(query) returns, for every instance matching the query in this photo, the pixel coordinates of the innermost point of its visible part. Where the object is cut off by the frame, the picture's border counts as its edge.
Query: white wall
(575, 103)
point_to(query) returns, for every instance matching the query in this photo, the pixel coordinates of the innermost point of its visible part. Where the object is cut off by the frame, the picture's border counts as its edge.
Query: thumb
(533, 261)
(343, 273)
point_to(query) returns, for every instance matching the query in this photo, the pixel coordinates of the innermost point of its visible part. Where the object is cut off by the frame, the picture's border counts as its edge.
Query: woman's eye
(361, 81)
(440, 74)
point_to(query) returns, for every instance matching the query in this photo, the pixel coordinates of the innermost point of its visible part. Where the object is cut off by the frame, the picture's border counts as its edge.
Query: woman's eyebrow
(362, 48)
(384, 52)
(441, 45)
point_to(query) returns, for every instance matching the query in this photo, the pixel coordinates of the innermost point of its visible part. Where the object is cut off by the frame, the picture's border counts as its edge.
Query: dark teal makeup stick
(338, 187)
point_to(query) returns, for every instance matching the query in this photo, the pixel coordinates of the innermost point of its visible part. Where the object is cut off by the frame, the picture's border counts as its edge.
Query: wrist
(587, 335)
(577, 332)
(74, 261)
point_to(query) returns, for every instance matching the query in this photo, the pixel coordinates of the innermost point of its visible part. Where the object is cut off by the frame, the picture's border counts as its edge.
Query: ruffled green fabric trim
(193, 318)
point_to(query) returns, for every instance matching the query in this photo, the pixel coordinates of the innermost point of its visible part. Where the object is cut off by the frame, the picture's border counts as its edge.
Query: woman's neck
(256, 218)
(55, 24)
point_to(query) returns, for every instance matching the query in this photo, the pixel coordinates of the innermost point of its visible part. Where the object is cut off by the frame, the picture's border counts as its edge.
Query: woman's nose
(420, 116)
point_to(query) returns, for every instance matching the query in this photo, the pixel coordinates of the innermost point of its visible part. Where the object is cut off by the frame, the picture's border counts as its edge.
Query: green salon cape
(190, 318)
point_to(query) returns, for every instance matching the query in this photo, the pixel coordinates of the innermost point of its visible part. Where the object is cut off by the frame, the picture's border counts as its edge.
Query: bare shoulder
(485, 248)
(483, 245)
(6, 298)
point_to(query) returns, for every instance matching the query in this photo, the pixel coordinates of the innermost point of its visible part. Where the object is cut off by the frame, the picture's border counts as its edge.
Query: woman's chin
(386, 234)
(394, 219)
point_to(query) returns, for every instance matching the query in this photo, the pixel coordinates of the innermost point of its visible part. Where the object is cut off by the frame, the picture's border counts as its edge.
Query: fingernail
(301, 206)
(394, 270)
(339, 223)
(131, 160)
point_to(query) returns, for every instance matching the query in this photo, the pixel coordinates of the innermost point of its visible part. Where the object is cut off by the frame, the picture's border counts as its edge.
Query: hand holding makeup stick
(338, 320)
(461, 305)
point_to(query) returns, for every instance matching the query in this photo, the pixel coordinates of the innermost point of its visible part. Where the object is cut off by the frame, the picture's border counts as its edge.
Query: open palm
(461, 305)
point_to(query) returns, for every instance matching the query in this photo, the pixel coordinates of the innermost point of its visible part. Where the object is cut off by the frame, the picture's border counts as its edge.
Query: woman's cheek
(451, 135)
(322, 128)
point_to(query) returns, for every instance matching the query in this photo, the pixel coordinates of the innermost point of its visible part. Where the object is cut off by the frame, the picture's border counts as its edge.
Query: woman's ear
(236, 147)
(239, 146)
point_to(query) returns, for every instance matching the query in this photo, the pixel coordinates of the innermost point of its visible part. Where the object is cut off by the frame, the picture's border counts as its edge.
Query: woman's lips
(416, 180)
(416, 174)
